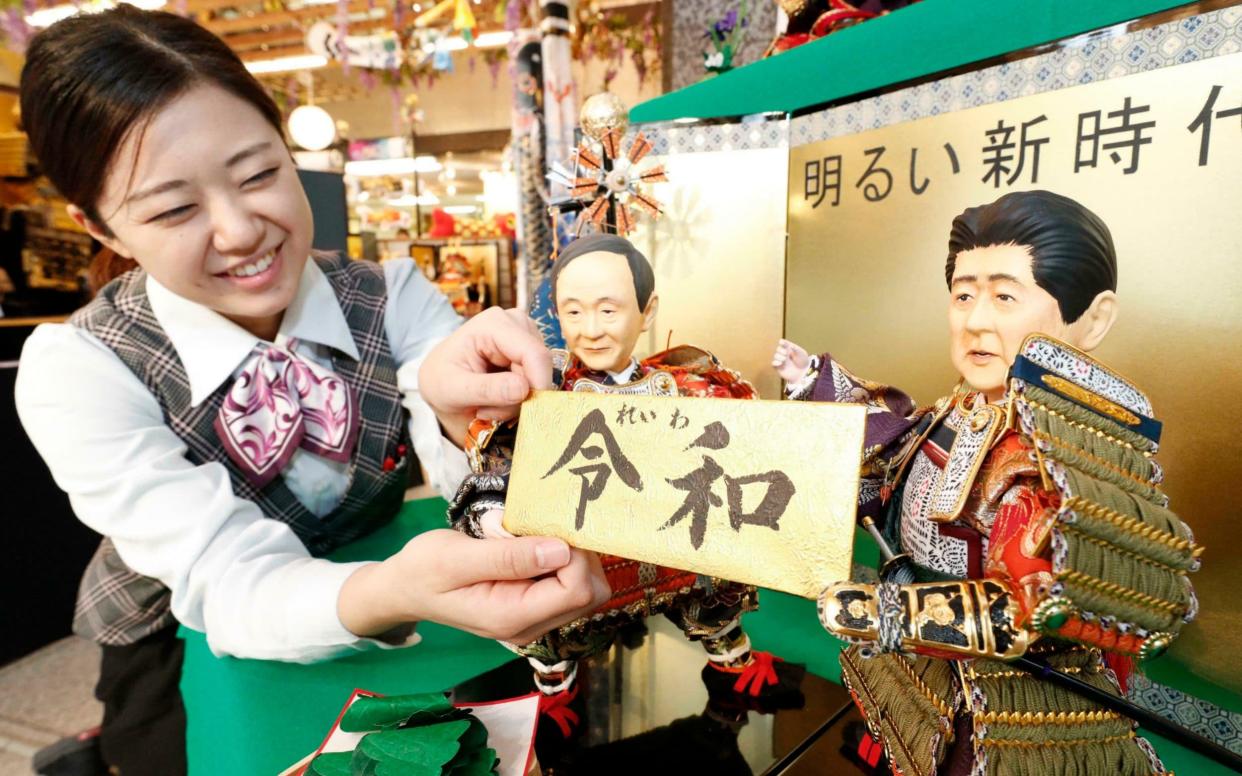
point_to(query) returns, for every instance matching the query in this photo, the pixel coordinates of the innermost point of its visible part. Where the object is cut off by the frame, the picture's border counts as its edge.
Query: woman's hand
(484, 369)
(508, 589)
(791, 361)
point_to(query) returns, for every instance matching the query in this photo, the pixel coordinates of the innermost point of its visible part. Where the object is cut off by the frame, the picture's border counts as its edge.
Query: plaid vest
(119, 606)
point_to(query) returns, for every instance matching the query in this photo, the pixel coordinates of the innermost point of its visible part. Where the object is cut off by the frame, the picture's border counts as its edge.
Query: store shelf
(930, 37)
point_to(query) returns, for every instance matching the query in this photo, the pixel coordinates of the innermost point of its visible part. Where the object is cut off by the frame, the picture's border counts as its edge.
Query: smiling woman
(231, 410)
(216, 216)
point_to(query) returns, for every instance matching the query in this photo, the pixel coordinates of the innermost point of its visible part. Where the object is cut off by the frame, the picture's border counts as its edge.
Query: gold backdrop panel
(718, 252)
(1153, 156)
(705, 485)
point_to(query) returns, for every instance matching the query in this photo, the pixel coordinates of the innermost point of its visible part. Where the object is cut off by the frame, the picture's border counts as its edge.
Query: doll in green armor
(1024, 513)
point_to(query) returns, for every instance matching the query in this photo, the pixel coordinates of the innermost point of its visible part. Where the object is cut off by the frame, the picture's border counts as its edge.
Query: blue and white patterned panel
(1207, 719)
(1080, 61)
(761, 131)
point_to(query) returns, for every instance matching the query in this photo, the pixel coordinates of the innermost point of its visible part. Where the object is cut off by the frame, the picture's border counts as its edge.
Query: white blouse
(244, 579)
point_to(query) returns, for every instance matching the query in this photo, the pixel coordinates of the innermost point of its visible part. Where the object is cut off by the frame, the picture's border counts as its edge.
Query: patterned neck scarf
(280, 402)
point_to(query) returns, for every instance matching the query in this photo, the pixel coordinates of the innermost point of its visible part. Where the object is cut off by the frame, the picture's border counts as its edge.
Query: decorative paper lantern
(311, 127)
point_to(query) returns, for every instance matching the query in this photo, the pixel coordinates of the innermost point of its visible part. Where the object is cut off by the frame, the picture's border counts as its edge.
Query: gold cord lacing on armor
(1107, 545)
(1045, 717)
(1120, 591)
(1095, 459)
(1132, 525)
(1084, 427)
(1052, 743)
(926, 691)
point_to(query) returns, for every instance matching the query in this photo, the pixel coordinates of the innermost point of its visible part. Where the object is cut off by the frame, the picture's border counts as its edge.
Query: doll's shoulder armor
(1120, 557)
(698, 371)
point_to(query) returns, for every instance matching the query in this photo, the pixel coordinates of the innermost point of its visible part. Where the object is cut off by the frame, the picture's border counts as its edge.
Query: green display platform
(259, 717)
(930, 37)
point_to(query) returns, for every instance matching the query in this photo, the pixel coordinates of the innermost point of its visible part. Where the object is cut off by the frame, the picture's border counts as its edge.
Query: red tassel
(758, 673)
(556, 707)
(1122, 666)
(869, 750)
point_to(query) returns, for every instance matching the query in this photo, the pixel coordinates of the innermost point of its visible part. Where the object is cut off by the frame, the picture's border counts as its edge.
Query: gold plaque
(760, 492)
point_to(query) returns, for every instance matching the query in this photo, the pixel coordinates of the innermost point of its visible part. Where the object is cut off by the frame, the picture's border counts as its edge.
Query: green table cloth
(260, 717)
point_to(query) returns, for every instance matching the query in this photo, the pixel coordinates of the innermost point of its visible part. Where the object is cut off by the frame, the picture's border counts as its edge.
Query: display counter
(259, 717)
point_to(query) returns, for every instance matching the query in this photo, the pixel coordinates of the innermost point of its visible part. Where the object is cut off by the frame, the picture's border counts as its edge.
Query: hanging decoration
(464, 22)
(534, 243)
(377, 51)
(14, 29)
(560, 92)
(611, 34)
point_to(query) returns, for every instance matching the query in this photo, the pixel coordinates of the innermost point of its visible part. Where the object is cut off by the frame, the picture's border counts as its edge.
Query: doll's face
(211, 209)
(598, 310)
(994, 303)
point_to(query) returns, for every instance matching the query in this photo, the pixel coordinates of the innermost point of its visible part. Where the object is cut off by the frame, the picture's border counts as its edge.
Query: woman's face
(206, 199)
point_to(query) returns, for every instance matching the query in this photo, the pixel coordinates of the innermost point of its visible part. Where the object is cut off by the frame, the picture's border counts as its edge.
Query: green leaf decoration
(475, 737)
(427, 718)
(368, 713)
(331, 764)
(429, 746)
(480, 762)
(362, 765)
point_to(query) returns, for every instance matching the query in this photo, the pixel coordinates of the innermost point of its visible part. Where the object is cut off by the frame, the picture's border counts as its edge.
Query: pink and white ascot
(280, 402)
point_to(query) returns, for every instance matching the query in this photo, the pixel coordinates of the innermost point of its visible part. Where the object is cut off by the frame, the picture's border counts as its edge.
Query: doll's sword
(897, 568)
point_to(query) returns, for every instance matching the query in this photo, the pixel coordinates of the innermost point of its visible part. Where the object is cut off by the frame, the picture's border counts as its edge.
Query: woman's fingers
(575, 591)
(465, 561)
(488, 366)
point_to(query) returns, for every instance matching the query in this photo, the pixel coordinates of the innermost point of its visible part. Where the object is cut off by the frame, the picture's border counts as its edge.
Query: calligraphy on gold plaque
(750, 491)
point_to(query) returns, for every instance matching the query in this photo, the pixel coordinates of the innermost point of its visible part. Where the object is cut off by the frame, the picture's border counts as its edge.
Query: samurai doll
(605, 299)
(1021, 515)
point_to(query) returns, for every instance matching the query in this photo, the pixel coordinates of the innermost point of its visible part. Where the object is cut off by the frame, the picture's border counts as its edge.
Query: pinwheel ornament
(609, 184)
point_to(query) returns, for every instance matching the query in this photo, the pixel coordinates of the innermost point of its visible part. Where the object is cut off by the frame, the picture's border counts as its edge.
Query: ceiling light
(403, 166)
(46, 17)
(493, 39)
(283, 64)
(409, 200)
(312, 127)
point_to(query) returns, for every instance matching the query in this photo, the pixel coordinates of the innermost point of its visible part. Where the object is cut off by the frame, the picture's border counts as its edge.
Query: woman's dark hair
(93, 79)
(640, 268)
(1072, 254)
